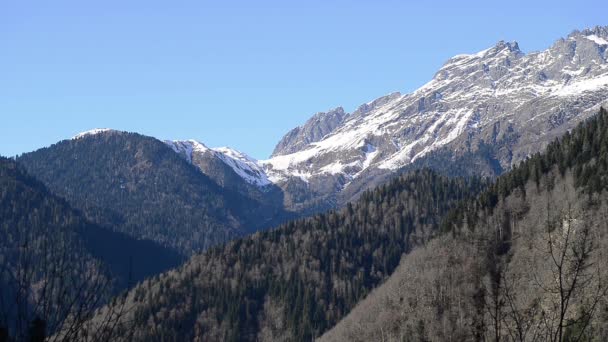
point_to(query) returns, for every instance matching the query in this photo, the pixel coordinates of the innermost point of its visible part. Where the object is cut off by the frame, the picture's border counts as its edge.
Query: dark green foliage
(584, 150)
(139, 186)
(311, 271)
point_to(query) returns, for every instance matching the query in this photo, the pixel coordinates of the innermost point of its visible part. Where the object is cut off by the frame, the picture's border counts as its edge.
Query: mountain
(476, 261)
(238, 173)
(525, 261)
(492, 108)
(138, 185)
(30, 209)
(49, 253)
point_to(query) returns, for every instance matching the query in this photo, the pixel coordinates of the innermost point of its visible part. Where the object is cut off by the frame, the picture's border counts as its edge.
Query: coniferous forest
(307, 273)
(55, 263)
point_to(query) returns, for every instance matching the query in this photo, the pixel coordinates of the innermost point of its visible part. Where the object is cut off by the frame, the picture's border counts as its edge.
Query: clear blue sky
(237, 73)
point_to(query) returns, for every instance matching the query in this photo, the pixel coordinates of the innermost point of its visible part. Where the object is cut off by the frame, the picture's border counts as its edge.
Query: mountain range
(492, 108)
(337, 221)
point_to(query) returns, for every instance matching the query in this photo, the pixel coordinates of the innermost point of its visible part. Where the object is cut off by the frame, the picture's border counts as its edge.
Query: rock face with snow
(241, 164)
(315, 129)
(500, 101)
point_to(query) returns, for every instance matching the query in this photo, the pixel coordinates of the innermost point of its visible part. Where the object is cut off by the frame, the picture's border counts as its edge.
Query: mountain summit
(496, 106)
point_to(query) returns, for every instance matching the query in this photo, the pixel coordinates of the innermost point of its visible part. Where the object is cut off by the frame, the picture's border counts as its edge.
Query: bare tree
(568, 284)
(519, 318)
(572, 276)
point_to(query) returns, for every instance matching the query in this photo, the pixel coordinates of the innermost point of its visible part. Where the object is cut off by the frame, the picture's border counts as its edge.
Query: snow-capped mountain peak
(499, 96)
(316, 128)
(186, 148)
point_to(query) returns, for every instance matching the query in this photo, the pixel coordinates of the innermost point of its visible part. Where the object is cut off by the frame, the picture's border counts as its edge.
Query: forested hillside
(139, 186)
(524, 261)
(296, 281)
(54, 264)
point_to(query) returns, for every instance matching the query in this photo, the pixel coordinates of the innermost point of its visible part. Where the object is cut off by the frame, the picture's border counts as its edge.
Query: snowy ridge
(243, 165)
(187, 147)
(597, 40)
(468, 96)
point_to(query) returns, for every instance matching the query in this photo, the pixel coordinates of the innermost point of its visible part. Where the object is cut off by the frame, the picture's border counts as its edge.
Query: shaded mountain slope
(138, 185)
(45, 241)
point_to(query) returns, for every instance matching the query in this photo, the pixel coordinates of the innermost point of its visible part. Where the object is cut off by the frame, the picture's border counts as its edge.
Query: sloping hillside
(54, 262)
(525, 261)
(296, 281)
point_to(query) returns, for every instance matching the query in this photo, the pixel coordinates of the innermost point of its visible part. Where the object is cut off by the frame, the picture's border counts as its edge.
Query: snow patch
(91, 132)
(187, 147)
(244, 166)
(598, 40)
(583, 86)
(370, 153)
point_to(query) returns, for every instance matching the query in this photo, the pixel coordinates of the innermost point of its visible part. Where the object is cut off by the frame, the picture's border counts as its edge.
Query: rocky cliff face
(499, 101)
(315, 129)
